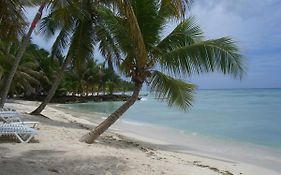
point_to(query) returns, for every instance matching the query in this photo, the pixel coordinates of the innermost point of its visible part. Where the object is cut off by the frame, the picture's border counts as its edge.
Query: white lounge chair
(7, 109)
(22, 132)
(11, 116)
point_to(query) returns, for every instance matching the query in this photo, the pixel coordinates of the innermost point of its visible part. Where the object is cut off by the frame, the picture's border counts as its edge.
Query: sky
(255, 25)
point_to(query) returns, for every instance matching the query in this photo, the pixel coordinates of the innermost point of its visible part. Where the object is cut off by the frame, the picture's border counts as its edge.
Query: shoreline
(200, 145)
(199, 162)
(69, 99)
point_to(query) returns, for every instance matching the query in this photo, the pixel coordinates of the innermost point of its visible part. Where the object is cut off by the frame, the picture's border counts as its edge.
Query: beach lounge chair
(7, 109)
(11, 116)
(22, 132)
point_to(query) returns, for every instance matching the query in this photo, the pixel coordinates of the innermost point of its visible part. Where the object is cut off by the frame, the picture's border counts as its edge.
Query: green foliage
(93, 78)
(29, 76)
(38, 70)
(174, 91)
(182, 53)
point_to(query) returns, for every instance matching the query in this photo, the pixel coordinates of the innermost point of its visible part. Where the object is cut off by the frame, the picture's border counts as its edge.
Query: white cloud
(254, 24)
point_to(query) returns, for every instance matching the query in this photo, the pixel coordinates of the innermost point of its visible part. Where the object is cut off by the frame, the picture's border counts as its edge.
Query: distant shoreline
(79, 99)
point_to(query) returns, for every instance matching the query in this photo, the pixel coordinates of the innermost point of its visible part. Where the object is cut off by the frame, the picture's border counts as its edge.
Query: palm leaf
(82, 43)
(149, 21)
(205, 56)
(108, 47)
(174, 8)
(185, 33)
(62, 41)
(175, 92)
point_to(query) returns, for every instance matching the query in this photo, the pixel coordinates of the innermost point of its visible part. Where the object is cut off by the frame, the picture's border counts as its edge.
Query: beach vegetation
(11, 11)
(38, 69)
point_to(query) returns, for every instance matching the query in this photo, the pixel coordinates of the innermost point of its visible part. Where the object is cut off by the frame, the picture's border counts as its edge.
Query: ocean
(243, 115)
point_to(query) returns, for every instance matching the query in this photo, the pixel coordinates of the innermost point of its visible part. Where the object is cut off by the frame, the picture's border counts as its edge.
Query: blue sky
(254, 25)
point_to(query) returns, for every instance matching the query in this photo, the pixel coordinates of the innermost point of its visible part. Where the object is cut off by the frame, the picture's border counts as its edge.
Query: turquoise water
(247, 115)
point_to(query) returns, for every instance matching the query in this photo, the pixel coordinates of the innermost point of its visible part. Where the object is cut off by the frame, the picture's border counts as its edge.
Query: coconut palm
(74, 19)
(158, 61)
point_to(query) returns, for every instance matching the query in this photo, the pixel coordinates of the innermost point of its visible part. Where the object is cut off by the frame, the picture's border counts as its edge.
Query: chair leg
(21, 140)
(30, 137)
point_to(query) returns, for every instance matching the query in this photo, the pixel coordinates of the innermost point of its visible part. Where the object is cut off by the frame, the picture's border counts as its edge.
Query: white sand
(57, 150)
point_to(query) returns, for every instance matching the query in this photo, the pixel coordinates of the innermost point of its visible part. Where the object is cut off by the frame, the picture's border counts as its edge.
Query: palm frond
(149, 20)
(108, 47)
(185, 33)
(174, 9)
(82, 43)
(23, 76)
(63, 14)
(176, 92)
(115, 25)
(62, 41)
(12, 20)
(205, 56)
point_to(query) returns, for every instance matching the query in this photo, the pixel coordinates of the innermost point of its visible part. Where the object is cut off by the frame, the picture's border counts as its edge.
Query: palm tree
(162, 61)
(80, 27)
(74, 19)
(24, 44)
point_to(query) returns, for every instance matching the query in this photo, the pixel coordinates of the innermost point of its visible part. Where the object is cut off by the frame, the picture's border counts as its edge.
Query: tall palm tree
(162, 61)
(74, 19)
(22, 48)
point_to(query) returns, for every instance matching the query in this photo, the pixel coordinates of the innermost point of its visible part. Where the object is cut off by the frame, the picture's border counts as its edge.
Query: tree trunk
(102, 127)
(54, 87)
(19, 55)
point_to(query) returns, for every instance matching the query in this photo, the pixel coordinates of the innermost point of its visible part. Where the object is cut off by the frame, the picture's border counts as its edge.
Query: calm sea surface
(248, 115)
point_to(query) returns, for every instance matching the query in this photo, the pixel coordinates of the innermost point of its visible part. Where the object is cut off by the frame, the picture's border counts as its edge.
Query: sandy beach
(57, 150)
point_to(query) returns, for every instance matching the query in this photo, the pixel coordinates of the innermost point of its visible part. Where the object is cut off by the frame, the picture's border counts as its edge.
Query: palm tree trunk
(19, 55)
(54, 87)
(101, 128)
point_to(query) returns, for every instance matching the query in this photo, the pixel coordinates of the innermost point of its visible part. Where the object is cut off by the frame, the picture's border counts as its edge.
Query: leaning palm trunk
(54, 87)
(101, 128)
(19, 55)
